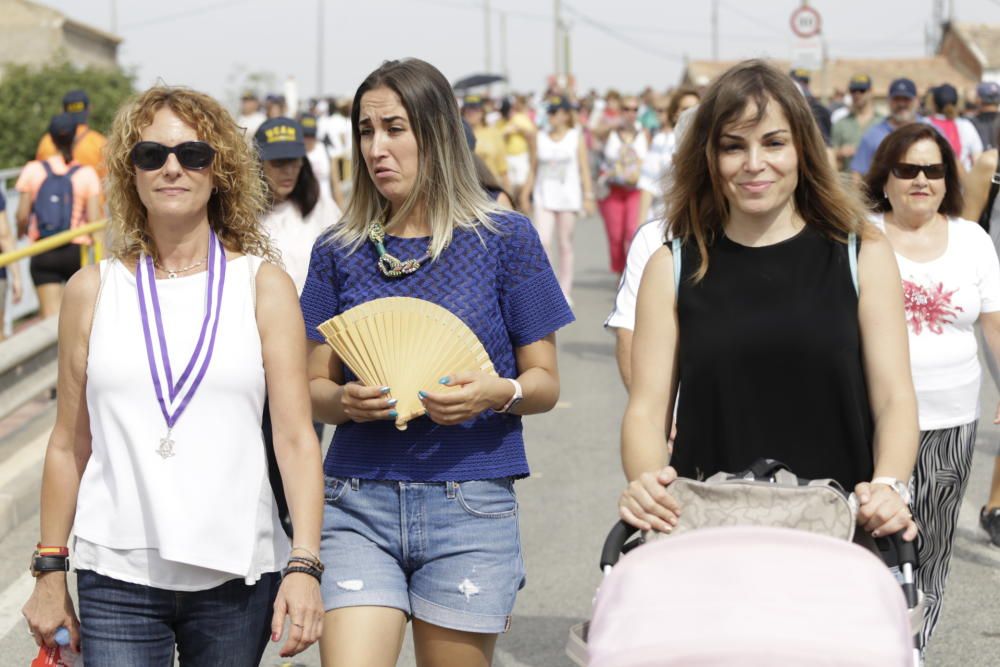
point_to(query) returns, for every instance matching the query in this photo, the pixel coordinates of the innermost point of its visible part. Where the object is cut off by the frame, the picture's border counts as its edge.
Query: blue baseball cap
(902, 88)
(944, 95)
(310, 126)
(556, 102)
(280, 139)
(988, 92)
(77, 103)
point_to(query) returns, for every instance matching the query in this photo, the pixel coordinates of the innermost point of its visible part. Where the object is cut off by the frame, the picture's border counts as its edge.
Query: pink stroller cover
(750, 596)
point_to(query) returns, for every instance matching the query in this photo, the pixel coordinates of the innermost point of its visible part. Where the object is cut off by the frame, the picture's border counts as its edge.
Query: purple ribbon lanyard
(213, 304)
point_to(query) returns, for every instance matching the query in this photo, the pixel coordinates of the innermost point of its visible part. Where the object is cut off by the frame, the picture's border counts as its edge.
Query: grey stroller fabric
(816, 506)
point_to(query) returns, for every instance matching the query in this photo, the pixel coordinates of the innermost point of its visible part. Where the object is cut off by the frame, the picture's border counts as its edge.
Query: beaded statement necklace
(390, 266)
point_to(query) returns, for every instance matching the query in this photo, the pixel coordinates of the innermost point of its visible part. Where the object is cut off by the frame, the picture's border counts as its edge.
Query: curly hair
(238, 200)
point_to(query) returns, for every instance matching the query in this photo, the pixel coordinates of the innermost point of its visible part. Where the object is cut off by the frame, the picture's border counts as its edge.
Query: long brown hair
(234, 209)
(446, 183)
(696, 206)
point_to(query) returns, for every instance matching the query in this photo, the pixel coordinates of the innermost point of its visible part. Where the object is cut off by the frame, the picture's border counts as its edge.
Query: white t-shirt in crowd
(655, 167)
(251, 122)
(557, 186)
(647, 240)
(319, 160)
(943, 299)
(294, 237)
(337, 129)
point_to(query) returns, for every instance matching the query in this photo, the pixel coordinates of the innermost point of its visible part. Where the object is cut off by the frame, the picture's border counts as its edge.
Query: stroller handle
(616, 543)
(897, 552)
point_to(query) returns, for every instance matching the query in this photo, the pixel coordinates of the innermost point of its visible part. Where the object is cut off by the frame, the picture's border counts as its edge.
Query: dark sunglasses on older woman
(909, 171)
(150, 155)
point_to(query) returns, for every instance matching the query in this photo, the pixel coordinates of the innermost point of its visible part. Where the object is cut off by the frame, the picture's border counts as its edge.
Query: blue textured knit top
(501, 285)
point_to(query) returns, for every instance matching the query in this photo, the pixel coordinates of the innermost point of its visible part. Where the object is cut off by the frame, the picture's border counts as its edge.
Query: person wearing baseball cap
(88, 147)
(490, 143)
(299, 213)
(321, 160)
(847, 131)
(987, 120)
(959, 131)
(902, 111)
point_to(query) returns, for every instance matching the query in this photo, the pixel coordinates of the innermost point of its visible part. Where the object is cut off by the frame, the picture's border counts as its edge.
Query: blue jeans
(130, 625)
(447, 553)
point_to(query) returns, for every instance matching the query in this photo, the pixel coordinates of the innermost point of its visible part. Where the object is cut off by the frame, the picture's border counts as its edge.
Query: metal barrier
(59, 240)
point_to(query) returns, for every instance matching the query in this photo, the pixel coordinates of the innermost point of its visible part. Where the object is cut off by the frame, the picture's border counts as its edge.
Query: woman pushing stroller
(788, 352)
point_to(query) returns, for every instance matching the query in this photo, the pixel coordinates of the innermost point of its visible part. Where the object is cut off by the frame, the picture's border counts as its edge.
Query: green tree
(30, 96)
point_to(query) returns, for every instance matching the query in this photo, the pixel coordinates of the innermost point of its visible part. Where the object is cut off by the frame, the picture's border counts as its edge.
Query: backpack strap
(852, 258)
(47, 167)
(72, 170)
(675, 249)
(984, 219)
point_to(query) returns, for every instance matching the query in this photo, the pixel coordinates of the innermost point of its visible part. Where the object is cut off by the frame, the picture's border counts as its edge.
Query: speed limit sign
(806, 22)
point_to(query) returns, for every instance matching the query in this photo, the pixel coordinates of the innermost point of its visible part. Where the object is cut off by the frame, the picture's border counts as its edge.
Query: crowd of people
(863, 248)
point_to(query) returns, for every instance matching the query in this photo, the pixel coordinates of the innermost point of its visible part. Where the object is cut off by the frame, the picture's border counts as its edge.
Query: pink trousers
(620, 210)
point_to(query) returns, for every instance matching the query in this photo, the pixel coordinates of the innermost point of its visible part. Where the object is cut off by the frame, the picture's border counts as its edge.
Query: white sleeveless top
(207, 514)
(557, 184)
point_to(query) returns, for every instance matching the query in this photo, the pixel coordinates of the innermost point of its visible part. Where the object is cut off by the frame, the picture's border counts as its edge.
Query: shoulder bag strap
(852, 257)
(675, 249)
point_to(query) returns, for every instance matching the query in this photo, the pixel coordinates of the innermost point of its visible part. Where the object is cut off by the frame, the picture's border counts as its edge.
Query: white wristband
(899, 487)
(515, 399)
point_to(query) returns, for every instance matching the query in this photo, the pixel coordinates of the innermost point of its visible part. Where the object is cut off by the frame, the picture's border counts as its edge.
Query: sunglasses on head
(150, 155)
(908, 171)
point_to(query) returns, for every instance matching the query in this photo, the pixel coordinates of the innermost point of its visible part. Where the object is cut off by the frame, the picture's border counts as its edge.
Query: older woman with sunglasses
(156, 461)
(951, 280)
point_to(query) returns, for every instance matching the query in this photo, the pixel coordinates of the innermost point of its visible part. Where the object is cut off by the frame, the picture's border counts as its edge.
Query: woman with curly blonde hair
(156, 460)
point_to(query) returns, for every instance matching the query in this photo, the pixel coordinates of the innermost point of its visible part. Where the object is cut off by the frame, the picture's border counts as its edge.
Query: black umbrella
(477, 80)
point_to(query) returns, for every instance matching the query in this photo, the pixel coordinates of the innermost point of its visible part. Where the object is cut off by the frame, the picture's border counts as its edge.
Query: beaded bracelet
(311, 571)
(307, 562)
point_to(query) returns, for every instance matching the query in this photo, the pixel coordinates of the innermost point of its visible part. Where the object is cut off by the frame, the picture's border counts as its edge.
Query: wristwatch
(42, 564)
(515, 399)
(901, 488)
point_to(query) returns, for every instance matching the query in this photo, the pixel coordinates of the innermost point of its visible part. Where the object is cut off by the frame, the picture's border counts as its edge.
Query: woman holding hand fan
(421, 523)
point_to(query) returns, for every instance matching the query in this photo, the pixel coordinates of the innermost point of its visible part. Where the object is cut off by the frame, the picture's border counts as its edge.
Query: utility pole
(715, 29)
(556, 41)
(503, 52)
(319, 48)
(487, 41)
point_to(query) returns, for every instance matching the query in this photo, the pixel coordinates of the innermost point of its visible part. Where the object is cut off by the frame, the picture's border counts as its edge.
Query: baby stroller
(750, 595)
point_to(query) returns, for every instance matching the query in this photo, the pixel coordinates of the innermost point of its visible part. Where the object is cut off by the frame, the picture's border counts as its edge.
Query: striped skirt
(939, 482)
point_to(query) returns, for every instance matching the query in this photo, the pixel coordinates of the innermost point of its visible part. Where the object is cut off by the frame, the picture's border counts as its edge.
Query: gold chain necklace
(390, 266)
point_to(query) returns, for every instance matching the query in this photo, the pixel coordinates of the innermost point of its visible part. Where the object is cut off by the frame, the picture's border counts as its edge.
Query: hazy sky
(212, 44)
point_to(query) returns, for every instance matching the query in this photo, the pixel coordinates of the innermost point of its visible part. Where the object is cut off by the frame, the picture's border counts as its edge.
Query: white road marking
(11, 600)
(23, 460)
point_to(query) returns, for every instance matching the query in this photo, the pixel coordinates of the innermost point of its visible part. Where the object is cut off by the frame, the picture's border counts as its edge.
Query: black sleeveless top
(770, 362)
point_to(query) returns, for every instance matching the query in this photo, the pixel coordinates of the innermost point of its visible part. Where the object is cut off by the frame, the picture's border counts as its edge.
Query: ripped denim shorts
(447, 553)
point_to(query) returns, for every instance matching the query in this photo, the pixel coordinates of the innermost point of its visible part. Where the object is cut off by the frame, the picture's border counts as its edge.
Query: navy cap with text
(77, 103)
(860, 82)
(280, 139)
(309, 124)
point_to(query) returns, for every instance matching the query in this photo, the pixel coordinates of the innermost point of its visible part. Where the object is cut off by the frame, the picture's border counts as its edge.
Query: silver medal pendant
(166, 448)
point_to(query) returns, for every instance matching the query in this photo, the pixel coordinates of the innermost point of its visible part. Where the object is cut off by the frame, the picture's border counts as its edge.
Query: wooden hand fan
(405, 344)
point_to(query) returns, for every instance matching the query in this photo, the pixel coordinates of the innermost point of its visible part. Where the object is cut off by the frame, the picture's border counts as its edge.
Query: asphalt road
(568, 504)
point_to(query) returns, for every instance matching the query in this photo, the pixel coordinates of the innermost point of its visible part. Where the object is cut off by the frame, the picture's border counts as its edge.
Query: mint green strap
(852, 255)
(675, 247)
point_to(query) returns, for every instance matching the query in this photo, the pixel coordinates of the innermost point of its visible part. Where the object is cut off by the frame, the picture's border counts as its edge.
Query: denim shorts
(447, 553)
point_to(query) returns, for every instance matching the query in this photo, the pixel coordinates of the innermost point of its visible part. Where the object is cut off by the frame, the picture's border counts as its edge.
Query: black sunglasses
(150, 155)
(909, 171)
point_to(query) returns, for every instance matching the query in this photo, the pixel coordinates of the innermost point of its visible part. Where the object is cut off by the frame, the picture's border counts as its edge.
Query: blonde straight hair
(446, 185)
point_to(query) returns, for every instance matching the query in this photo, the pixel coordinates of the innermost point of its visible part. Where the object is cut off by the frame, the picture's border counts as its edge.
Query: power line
(621, 37)
(185, 14)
